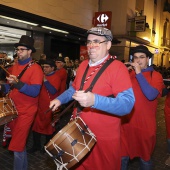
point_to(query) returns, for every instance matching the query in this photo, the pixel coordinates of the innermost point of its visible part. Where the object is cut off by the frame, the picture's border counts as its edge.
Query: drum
(7, 110)
(71, 144)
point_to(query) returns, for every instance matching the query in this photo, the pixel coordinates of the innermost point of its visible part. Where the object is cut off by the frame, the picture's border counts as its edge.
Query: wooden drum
(71, 144)
(7, 110)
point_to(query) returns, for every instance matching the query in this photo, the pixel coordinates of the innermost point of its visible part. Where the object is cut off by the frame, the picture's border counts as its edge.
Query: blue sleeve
(150, 92)
(165, 91)
(67, 95)
(50, 88)
(7, 88)
(31, 90)
(121, 105)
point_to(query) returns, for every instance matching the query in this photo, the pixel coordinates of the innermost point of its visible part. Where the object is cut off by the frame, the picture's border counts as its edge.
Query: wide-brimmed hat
(26, 41)
(49, 62)
(142, 49)
(60, 59)
(101, 31)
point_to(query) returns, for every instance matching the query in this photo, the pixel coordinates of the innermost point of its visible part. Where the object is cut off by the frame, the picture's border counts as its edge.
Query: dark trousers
(37, 140)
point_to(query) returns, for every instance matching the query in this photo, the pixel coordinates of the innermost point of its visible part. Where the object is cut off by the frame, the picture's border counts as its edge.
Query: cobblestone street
(40, 161)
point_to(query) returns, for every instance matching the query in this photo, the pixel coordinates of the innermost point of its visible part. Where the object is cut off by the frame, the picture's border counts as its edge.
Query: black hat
(49, 62)
(60, 59)
(142, 49)
(27, 42)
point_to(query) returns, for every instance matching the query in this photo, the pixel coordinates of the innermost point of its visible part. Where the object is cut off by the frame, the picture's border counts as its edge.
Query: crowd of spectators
(163, 70)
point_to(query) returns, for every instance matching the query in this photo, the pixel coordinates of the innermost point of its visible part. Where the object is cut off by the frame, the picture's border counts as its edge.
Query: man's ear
(148, 59)
(109, 44)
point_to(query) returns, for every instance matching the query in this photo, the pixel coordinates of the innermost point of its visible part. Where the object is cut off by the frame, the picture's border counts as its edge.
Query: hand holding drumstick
(54, 104)
(11, 79)
(85, 99)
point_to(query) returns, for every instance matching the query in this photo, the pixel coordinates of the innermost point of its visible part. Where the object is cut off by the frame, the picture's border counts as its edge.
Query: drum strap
(23, 71)
(103, 67)
(26, 67)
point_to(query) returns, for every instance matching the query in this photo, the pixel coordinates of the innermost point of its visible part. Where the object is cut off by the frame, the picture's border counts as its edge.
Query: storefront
(51, 37)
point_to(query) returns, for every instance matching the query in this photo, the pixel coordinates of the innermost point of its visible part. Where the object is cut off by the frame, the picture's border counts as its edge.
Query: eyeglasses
(95, 43)
(140, 57)
(21, 49)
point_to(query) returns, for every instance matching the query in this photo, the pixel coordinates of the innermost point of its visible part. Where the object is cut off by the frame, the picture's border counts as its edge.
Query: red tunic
(139, 128)
(106, 154)
(63, 76)
(42, 123)
(167, 115)
(25, 105)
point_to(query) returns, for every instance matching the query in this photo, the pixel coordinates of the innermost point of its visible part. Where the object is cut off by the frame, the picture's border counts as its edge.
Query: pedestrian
(138, 130)
(61, 71)
(24, 85)
(166, 92)
(43, 57)
(42, 123)
(110, 97)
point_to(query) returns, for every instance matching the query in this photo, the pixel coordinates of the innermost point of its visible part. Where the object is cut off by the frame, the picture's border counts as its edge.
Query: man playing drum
(50, 90)
(100, 106)
(24, 85)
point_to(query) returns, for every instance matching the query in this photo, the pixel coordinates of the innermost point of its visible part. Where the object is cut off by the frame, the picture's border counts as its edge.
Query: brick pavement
(39, 161)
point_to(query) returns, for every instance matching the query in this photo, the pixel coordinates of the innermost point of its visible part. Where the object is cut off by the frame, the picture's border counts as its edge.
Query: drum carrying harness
(103, 67)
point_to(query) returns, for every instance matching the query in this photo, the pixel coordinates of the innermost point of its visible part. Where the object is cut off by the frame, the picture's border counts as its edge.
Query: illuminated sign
(103, 19)
(140, 22)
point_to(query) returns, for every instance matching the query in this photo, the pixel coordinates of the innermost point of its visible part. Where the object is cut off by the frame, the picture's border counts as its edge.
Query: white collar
(97, 62)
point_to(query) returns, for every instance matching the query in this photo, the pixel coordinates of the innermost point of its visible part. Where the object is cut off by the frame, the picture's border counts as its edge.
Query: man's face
(96, 49)
(59, 64)
(47, 69)
(141, 59)
(66, 59)
(23, 52)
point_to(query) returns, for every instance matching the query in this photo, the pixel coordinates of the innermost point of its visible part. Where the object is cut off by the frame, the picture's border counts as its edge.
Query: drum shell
(61, 139)
(7, 110)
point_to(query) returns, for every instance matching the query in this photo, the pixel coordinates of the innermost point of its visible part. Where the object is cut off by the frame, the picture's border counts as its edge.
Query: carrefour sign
(103, 19)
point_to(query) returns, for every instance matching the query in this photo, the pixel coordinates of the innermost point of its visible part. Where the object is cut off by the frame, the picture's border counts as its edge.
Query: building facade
(133, 22)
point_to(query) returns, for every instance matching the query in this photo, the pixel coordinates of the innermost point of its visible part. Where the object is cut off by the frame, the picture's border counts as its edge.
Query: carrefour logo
(102, 18)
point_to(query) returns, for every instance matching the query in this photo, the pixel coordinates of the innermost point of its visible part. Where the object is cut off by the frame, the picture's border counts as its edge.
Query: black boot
(36, 143)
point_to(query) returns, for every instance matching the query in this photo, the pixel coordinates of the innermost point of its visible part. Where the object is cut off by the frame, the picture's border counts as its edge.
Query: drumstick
(68, 107)
(5, 70)
(63, 112)
(8, 72)
(48, 110)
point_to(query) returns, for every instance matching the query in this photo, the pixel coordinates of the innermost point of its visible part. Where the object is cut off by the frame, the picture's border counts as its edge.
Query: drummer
(50, 90)
(25, 87)
(100, 112)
